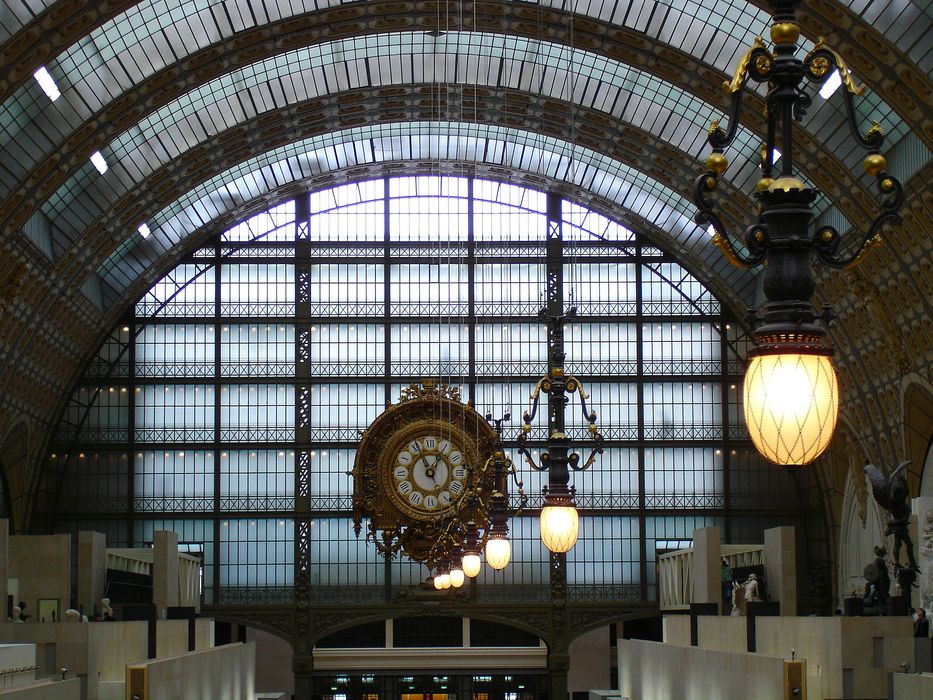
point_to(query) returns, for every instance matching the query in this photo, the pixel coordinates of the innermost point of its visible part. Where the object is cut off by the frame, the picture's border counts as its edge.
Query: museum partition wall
(245, 375)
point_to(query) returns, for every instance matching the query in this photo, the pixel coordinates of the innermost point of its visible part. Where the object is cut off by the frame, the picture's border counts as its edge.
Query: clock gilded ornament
(416, 463)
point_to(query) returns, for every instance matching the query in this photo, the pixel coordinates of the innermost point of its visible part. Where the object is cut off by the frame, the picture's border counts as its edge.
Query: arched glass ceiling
(151, 35)
(902, 22)
(628, 94)
(412, 141)
(905, 23)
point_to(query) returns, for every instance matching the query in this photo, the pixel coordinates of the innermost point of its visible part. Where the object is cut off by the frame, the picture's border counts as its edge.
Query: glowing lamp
(498, 552)
(559, 527)
(471, 565)
(791, 402)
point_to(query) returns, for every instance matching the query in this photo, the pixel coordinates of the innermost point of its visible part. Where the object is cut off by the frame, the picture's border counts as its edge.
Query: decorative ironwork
(557, 460)
(415, 475)
(790, 331)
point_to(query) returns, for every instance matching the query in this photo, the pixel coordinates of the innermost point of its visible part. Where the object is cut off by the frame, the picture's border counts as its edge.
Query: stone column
(780, 557)
(4, 565)
(92, 569)
(302, 665)
(707, 569)
(923, 550)
(164, 571)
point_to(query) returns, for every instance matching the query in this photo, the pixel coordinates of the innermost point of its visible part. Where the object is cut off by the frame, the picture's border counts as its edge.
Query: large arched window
(241, 380)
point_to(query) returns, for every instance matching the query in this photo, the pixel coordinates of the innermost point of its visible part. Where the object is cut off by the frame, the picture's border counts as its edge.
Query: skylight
(98, 160)
(47, 83)
(831, 84)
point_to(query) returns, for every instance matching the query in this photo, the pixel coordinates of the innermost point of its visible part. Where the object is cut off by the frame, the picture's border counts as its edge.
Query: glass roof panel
(16, 14)
(555, 71)
(155, 33)
(905, 23)
(404, 142)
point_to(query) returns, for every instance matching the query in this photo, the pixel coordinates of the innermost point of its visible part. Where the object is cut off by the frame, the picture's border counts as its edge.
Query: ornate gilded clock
(416, 463)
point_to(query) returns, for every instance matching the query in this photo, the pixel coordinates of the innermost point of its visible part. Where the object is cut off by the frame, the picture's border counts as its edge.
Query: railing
(139, 561)
(675, 571)
(375, 595)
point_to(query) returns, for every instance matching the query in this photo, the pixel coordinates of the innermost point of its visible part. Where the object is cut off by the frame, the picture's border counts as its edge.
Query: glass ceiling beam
(896, 28)
(400, 143)
(626, 92)
(628, 95)
(727, 290)
(97, 70)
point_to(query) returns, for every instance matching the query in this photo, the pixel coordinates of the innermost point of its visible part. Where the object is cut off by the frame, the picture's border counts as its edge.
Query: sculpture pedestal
(853, 607)
(899, 605)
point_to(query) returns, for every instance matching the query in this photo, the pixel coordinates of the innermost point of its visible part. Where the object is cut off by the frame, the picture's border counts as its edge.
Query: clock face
(429, 474)
(413, 464)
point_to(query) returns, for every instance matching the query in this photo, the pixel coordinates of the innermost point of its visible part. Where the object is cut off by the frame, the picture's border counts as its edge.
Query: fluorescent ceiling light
(831, 84)
(710, 231)
(144, 230)
(47, 83)
(98, 160)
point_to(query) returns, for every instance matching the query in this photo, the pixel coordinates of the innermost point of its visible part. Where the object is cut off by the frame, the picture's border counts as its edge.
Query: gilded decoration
(415, 464)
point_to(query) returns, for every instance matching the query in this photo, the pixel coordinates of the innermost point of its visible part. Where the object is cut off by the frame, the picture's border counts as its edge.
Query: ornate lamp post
(791, 396)
(559, 519)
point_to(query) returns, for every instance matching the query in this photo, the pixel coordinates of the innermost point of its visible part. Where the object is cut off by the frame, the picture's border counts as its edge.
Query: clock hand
(430, 469)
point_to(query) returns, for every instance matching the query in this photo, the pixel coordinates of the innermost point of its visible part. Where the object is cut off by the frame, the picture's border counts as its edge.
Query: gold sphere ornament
(786, 184)
(717, 162)
(785, 33)
(887, 185)
(827, 236)
(875, 164)
(763, 184)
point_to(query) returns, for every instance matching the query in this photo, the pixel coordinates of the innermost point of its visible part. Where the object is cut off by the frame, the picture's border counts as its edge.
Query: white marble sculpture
(738, 600)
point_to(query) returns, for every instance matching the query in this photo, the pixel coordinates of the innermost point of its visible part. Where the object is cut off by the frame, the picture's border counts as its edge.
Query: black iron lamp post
(559, 519)
(791, 396)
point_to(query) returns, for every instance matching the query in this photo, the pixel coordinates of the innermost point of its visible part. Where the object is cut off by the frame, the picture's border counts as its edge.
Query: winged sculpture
(892, 494)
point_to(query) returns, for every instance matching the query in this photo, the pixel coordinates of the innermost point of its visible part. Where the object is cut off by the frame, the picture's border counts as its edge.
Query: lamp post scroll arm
(828, 238)
(818, 65)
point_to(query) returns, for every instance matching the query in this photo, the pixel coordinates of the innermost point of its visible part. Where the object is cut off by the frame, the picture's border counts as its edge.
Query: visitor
(921, 624)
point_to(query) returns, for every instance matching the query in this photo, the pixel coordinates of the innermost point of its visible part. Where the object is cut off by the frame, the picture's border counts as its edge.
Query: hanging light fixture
(471, 560)
(498, 547)
(479, 522)
(559, 525)
(498, 551)
(791, 394)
